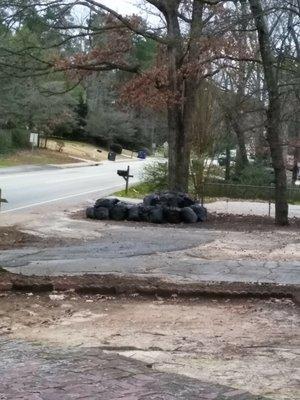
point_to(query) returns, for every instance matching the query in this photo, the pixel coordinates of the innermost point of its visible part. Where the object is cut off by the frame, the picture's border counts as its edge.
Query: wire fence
(245, 192)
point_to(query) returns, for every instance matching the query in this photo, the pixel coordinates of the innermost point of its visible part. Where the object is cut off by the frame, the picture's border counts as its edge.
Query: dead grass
(36, 157)
(85, 151)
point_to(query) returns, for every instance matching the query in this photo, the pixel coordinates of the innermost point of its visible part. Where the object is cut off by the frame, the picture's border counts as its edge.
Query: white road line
(102, 174)
(78, 178)
(46, 172)
(47, 175)
(61, 198)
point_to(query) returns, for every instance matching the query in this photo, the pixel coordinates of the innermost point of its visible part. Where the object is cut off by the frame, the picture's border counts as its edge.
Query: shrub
(255, 174)
(5, 142)
(13, 139)
(156, 176)
(20, 139)
(66, 130)
(115, 147)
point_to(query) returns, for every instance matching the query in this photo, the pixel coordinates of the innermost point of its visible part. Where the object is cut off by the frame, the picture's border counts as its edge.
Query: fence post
(270, 200)
(202, 194)
(127, 180)
(227, 198)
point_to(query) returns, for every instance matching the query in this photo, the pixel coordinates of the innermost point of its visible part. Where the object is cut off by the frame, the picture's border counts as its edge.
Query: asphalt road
(25, 190)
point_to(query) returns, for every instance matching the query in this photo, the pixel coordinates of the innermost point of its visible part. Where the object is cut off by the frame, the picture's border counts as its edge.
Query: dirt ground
(251, 238)
(248, 223)
(219, 221)
(247, 344)
(15, 237)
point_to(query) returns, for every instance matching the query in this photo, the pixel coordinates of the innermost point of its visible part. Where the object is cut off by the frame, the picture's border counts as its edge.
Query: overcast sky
(122, 6)
(128, 7)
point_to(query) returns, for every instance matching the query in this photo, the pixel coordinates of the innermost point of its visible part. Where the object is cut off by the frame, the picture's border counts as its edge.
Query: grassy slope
(37, 157)
(52, 156)
(85, 150)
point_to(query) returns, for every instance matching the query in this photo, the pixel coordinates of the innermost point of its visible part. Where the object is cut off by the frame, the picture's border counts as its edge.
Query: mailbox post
(125, 173)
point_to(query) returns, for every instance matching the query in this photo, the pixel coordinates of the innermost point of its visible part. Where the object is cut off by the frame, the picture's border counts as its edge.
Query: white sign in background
(34, 139)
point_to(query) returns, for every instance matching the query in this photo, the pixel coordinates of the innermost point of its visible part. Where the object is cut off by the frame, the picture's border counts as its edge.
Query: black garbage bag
(107, 203)
(188, 215)
(90, 212)
(101, 213)
(144, 212)
(134, 213)
(175, 200)
(151, 200)
(168, 199)
(156, 215)
(200, 211)
(172, 215)
(119, 212)
(183, 200)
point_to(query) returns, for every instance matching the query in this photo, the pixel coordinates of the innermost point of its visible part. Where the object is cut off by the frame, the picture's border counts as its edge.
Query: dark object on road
(188, 215)
(142, 155)
(101, 213)
(111, 156)
(156, 208)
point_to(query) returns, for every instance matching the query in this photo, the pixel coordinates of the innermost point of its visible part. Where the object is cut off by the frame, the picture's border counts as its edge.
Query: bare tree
(273, 112)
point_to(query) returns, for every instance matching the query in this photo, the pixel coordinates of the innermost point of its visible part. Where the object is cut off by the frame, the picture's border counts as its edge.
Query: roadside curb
(118, 284)
(77, 165)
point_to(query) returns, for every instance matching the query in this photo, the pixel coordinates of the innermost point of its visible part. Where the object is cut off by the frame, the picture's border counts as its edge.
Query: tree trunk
(227, 164)
(236, 113)
(242, 157)
(180, 116)
(179, 153)
(273, 113)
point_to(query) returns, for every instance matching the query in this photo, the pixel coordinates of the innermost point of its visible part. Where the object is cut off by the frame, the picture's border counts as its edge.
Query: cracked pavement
(178, 254)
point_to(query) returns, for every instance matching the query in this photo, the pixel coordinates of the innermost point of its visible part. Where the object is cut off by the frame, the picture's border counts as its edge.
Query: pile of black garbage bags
(166, 207)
